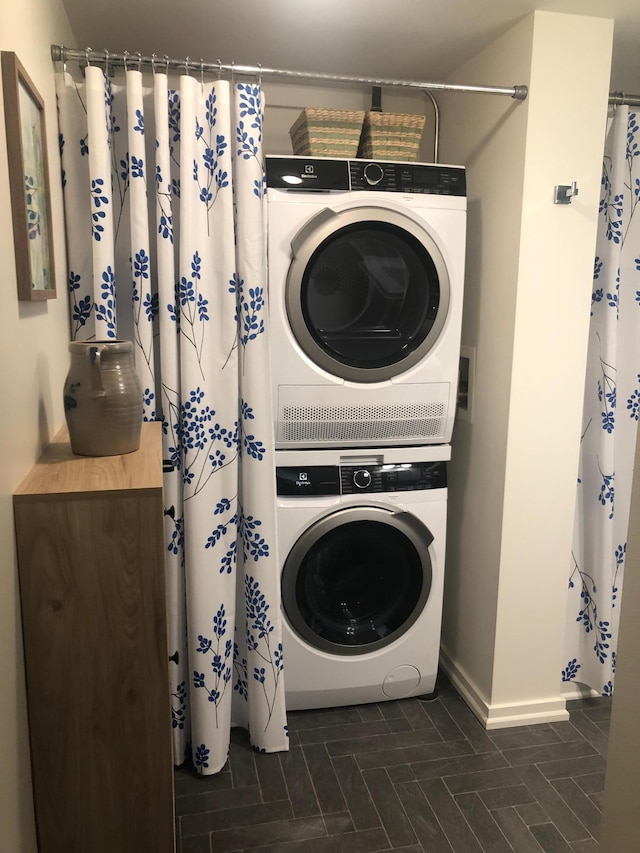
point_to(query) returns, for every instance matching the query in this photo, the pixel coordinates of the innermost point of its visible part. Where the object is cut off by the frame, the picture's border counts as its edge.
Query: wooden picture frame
(28, 182)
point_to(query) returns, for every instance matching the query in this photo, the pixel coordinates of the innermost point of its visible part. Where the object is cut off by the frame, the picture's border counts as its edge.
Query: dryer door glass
(370, 296)
(357, 587)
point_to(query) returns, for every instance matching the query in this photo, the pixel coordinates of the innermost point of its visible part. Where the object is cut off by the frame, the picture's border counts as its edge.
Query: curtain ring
(139, 58)
(87, 55)
(153, 63)
(63, 54)
(125, 56)
(106, 62)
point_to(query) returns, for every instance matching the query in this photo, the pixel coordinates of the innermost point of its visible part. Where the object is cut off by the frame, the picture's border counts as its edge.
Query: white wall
(492, 146)
(530, 267)
(34, 358)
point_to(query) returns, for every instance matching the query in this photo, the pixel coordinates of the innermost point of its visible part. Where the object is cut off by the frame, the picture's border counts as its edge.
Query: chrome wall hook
(564, 193)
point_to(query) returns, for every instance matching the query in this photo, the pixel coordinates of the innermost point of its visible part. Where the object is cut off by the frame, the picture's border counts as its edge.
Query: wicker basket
(391, 136)
(327, 133)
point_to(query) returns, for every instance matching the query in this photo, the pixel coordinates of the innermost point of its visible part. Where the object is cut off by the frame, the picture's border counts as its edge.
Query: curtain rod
(60, 53)
(623, 99)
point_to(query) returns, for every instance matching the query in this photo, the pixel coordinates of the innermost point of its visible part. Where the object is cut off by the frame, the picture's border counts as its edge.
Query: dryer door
(358, 579)
(367, 292)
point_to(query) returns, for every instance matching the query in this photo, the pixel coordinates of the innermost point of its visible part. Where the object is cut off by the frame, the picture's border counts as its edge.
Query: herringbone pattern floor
(405, 776)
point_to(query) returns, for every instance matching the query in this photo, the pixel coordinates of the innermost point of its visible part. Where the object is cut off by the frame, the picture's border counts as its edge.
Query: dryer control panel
(407, 178)
(317, 480)
(319, 174)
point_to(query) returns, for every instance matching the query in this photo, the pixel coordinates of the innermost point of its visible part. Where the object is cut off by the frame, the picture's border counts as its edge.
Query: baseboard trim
(464, 685)
(501, 716)
(576, 690)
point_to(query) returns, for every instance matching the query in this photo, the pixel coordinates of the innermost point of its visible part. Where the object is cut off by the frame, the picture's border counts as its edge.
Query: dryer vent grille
(310, 423)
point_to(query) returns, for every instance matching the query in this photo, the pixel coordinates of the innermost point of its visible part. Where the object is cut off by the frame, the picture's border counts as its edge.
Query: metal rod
(622, 99)
(436, 125)
(60, 53)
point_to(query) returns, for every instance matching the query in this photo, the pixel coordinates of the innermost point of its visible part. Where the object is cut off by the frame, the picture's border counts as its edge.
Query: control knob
(373, 174)
(362, 478)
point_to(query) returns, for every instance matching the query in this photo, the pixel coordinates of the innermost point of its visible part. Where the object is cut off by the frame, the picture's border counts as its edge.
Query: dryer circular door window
(357, 579)
(367, 292)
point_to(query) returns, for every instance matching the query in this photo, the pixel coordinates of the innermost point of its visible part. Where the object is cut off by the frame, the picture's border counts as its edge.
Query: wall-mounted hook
(564, 193)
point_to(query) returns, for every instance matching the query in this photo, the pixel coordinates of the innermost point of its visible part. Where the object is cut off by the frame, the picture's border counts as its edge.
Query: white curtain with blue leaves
(610, 418)
(165, 218)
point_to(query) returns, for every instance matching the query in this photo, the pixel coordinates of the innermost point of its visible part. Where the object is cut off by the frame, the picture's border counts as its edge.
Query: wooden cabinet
(91, 557)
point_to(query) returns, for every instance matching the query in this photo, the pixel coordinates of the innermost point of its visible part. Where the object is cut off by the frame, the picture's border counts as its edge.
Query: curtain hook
(63, 56)
(87, 55)
(232, 72)
(153, 64)
(259, 75)
(106, 62)
(219, 69)
(166, 63)
(202, 73)
(139, 58)
(125, 57)
(186, 65)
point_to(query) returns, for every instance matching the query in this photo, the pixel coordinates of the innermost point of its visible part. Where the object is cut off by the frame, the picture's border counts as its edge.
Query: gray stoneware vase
(103, 398)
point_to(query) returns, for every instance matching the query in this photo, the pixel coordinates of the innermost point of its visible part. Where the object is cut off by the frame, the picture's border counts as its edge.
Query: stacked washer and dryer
(366, 270)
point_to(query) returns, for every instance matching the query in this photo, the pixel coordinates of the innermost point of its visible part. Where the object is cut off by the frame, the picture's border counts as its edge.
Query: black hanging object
(376, 99)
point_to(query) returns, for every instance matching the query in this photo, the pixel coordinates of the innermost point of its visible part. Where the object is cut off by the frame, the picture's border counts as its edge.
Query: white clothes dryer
(366, 273)
(361, 539)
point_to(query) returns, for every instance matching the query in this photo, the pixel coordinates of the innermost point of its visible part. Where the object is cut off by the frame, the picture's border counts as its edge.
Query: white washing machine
(366, 272)
(361, 539)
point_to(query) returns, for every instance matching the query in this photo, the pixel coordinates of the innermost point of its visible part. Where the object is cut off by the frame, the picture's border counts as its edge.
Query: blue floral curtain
(165, 216)
(610, 418)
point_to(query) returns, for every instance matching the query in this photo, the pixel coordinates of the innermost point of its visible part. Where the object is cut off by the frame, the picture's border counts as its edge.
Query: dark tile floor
(406, 776)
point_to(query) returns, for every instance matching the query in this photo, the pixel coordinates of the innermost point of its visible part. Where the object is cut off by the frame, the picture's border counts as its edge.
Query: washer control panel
(318, 480)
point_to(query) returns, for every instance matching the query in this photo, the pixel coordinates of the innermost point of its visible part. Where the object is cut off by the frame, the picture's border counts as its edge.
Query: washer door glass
(357, 580)
(370, 299)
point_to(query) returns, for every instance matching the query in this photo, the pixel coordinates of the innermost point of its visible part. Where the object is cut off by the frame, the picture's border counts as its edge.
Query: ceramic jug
(103, 398)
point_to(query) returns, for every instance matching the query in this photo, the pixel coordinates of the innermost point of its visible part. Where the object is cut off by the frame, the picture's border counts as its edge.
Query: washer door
(358, 579)
(367, 292)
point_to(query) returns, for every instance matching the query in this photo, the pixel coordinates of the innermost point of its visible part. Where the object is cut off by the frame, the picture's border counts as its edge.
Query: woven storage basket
(391, 136)
(327, 133)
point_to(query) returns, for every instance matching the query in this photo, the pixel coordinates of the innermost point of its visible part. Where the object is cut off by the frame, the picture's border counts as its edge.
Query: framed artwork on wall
(28, 181)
